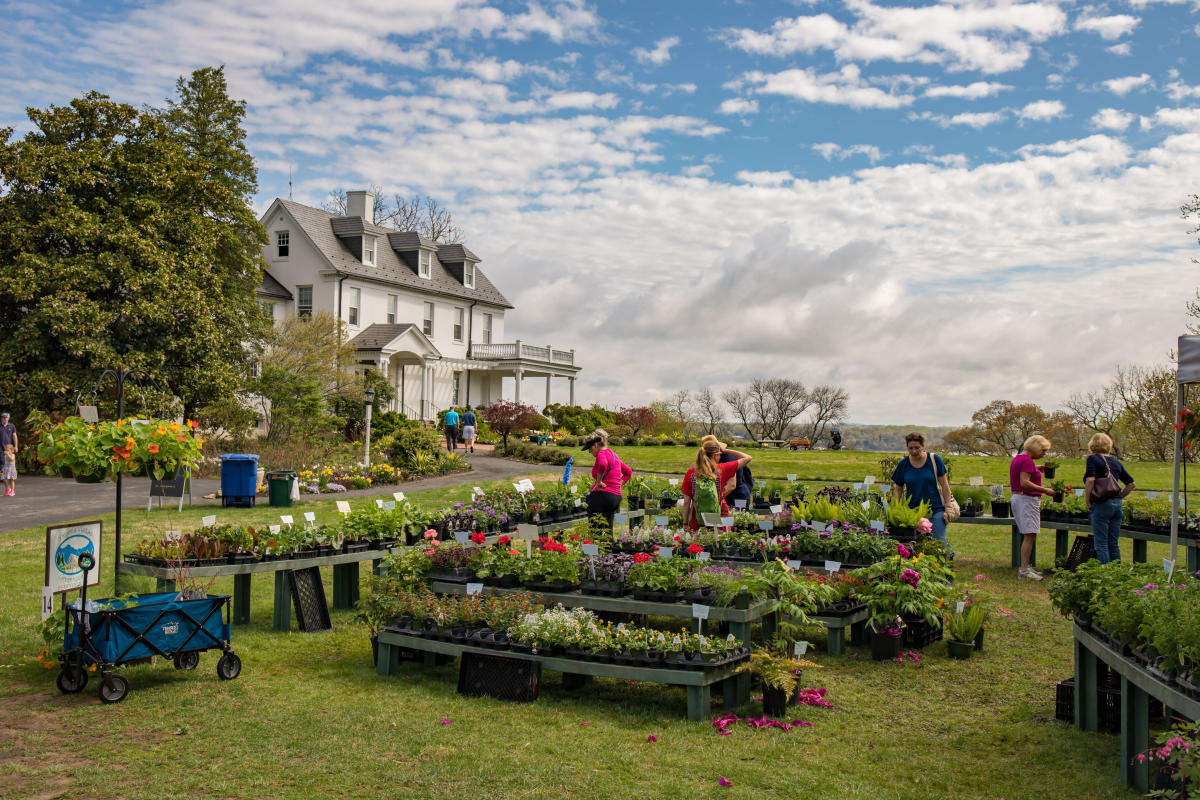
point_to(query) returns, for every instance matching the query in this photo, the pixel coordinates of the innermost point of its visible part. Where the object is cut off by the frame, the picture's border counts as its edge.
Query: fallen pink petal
(584, 724)
(725, 782)
(445, 721)
(652, 738)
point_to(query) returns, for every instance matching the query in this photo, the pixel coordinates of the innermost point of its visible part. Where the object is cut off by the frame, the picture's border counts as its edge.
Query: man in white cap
(8, 433)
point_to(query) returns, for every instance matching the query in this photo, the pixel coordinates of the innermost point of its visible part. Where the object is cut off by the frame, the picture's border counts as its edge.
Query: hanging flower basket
(95, 451)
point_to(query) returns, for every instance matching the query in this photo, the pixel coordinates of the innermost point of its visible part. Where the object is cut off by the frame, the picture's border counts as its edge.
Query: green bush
(411, 447)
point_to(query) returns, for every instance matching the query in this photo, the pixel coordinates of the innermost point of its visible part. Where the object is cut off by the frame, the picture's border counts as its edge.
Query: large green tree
(126, 238)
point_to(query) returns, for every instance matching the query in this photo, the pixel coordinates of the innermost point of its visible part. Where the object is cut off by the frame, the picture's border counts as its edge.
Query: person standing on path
(1105, 513)
(468, 429)
(451, 423)
(608, 474)
(1025, 481)
(8, 470)
(8, 434)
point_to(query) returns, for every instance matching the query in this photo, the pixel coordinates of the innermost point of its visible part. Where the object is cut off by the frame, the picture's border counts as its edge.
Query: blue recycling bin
(239, 478)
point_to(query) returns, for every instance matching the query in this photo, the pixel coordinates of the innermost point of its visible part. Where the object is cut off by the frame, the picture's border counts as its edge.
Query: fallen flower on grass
(445, 721)
(652, 738)
(813, 697)
(725, 782)
(1003, 611)
(584, 724)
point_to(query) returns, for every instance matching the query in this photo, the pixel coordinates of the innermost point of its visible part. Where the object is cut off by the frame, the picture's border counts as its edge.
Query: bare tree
(739, 402)
(680, 407)
(1098, 411)
(708, 408)
(419, 213)
(768, 406)
(829, 407)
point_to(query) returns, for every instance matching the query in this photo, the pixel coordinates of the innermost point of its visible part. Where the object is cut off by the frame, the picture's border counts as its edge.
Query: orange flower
(130, 443)
(174, 426)
(181, 438)
(153, 448)
(193, 424)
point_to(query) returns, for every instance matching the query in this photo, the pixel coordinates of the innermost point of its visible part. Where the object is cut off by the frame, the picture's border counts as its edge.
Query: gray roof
(407, 241)
(454, 253)
(374, 337)
(323, 229)
(272, 288)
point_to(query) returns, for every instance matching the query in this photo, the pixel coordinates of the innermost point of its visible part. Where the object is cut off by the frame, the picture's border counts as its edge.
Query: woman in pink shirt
(608, 474)
(1025, 480)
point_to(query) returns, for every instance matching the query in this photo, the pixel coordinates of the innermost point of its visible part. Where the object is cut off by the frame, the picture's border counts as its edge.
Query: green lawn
(310, 718)
(848, 465)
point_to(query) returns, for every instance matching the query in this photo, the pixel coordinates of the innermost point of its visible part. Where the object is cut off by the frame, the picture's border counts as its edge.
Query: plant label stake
(858, 487)
(703, 555)
(378, 503)
(673, 481)
(47, 602)
(877, 524)
(726, 522)
(665, 552)
(578, 502)
(574, 488)
(832, 566)
(777, 509)
(765, 524)
(800, 648)
(699, 611)
(286, 519)
(389, 505)
(172, 537)
(977, 480)
(1168, 567)
(661, 520)
(621, 519)
(817, 526)
(208, 521)
(343, 507)
(591, 549)
(869, 480)
(474, 588)
(962, 604)
(739, 503)
(400, 496)
(866, 504)
(462, 537)
(1079, 492)
(1151, 495)
(476, 490)
(791, 476)
(793, 564)
(274, 528)
(310, 517)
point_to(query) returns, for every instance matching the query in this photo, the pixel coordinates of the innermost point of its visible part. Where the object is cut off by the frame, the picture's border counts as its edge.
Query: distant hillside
(887, 438)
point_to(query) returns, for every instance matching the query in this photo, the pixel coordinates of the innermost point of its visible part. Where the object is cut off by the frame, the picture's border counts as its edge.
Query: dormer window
(469, 275)
(281, 243)
(426, 266)
(368, 253)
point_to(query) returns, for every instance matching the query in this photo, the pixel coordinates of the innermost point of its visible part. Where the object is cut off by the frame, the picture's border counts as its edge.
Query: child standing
(8, 470)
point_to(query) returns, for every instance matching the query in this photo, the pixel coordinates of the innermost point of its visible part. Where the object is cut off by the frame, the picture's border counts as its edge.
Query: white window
(304, 301)
(355, 305)
(487, 328)
(281, 244)
(391, 312)
(427, 325)
(468, 275)
(426, 264)
(369, 251)
(457, 384)
(458, 324)
(268, 309)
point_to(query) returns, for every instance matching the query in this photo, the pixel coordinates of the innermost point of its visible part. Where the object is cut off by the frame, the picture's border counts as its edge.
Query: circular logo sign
(66, 557)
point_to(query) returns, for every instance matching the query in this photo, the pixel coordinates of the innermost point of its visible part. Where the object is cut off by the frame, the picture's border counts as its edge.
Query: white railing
(519, 350)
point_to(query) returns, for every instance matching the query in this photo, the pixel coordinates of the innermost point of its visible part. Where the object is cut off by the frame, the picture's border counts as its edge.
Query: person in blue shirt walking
(922, 476)
(468, 429)
(451, 423)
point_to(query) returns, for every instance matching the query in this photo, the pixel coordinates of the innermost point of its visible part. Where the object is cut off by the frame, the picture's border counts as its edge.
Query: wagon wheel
(229, 667)
(113, 688)
(187, 660)
(71, 679)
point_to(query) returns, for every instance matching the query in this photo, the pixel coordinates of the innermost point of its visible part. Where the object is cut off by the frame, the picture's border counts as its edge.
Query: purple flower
(1138, 591)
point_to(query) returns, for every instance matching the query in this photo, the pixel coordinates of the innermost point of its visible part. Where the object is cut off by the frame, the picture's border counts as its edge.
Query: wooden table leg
(345, 585)
(836, 644)
(375, 565)
(858, 633)
(1135, 735)
(164, 585)
(1086, 712)
(241, 599)
(282, 615)
(699, 703)
(736, 690)
(389, 659)
(1193, 559)
(1060, 545)
(1016, 547)
(1139, 551)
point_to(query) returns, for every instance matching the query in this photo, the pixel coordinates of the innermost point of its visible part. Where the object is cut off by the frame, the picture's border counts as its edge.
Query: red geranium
(641, 558)
(695, 548)
(478, 537)
(502, 539)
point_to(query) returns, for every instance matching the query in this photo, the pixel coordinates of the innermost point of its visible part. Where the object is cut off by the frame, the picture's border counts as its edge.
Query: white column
(517, 375)
(424, 385)
(547, 391)
(572, 381)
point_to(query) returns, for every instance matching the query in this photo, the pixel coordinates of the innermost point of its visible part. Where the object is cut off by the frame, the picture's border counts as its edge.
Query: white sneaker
(1030, 574)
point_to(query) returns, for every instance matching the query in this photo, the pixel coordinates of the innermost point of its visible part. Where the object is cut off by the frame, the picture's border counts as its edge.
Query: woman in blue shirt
(1106, 514)
(922, 475)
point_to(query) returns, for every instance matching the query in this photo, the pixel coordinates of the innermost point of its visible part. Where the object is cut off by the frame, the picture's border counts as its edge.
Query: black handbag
(1107, 487)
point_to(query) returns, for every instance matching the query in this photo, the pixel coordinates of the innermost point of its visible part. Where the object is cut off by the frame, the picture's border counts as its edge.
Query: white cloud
(1042, 110)
(845, 87)
(830, 150)
(986, 36)
(1122, 49)
(765, 178)
(975, 120)
(1109, 28)
(698, 171)
(1112, 119)
(738, 105)
(661, 53)
(973, 91)
(1178, 90)
(1123, 86)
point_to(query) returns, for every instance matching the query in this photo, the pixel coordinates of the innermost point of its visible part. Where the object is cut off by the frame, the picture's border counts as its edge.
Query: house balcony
(519, 361)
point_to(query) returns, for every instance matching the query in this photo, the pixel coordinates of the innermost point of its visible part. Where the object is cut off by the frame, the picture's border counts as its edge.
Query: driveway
(47, 499)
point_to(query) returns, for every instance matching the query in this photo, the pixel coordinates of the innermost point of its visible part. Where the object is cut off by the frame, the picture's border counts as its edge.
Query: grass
(854, 465)
(309, 717)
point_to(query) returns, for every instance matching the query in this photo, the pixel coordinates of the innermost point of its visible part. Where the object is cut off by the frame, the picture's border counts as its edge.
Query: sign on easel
(64, 545)
(171, 487)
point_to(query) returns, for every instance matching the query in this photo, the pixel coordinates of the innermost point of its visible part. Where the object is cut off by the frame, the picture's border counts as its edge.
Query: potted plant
(961, 629)
(902, 520)
(1001, 507)
(780, 677)
(1049, 468)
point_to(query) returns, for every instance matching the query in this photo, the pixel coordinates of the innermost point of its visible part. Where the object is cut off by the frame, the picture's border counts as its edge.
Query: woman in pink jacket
(608, 475)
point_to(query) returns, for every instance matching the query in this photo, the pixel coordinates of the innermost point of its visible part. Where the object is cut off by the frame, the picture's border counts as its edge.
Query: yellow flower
(174, 426)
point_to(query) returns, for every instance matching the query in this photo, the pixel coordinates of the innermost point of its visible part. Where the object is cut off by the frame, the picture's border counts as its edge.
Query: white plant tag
(876, 524)
(869, 480)
(474, 588)
(765, 525)
(776, 509)
(47, 602)
(389, 505)
(817, 526)
(977, 480)
(462, 537)
(866, 504)
(286, 519)
(1168, 567)
(793, 564)
(665, 552)
(791, 476)
(1151, 495)
(726, 522)
(378, 503)
(858, 487)
(1079, 492)
(800, 648)
(591, 549)
(673, 481)
(527, 483)
(343, 507)
(699, 611)
(274, 528)
(662, 520)
(578, 502)
(171, 537)
(962, 604)
(574, 488)
(400, 496)
(310, 516)
(703, 555)
(209, 521)
(710, 520)
(832, 566)
(739, 503)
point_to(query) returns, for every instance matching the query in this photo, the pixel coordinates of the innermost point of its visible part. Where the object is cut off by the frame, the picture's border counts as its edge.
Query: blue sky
(934, 205)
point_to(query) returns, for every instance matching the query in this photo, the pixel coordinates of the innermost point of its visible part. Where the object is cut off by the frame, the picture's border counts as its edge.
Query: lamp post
(120, 375)
(369, 396)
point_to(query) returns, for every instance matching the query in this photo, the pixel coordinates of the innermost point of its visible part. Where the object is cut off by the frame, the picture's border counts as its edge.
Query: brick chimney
(361, 204)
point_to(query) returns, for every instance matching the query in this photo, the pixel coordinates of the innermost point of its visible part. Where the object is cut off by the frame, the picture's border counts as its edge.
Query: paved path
(45, 499)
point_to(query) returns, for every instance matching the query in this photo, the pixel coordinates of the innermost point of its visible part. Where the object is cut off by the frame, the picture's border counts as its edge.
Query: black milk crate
(919, 634)
(1064, 700)
(1082, 549)
(308, 595)
(1108, 703)
(501, 677)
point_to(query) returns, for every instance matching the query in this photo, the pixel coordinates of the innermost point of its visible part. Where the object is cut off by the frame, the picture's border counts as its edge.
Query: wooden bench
(697, 682)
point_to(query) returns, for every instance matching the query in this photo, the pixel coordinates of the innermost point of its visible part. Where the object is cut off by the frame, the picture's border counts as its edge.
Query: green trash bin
(279, 486)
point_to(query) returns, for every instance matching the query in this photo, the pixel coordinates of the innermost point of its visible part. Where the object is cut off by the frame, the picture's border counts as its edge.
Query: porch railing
(519, 351)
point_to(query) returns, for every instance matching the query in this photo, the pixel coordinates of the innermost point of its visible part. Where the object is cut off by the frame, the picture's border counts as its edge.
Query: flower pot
(1048, 472)
(1001, 508)
(774, 702)
(884, 646)
(959, 649)
(94, 478)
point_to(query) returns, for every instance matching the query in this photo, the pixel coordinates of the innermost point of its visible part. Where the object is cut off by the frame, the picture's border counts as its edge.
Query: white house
(422, 313)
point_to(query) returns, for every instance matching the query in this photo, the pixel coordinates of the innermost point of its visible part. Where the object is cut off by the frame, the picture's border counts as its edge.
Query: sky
(933, 205)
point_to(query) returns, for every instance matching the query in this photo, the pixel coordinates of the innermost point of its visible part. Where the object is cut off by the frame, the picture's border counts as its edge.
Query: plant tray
(1082, 549)
(501, 677)
(1064, 700)
(657, 597)
(919, 634)
(603, 589)
(552, 587)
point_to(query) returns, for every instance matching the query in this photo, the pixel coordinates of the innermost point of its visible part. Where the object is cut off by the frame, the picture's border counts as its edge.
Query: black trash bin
(279, 487)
